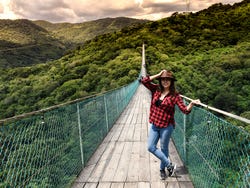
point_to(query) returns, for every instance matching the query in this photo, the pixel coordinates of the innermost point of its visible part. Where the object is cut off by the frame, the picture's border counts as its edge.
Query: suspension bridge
(101, 141)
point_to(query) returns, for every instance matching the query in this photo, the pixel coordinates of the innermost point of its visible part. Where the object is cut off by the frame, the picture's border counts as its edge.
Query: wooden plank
(117, 132)
(137, 132)
(108, 152)
(181, 172)
(85, 173)
(144, 117)
(172, 178)
(111, 133)
(104, 185)
(145, 168)
(100, 166)
(130, 133)
(123, 118)
(111, 167)
(122, 169)
(130, 185)
(158, 184)
(103, 148)
(78, 185)
(144, 173)
(154, 168)
(110, 170)
(144, 132)
(133, 168)
(187, 184)
(130, 112)
(135, 114)
(134, 120)
(143, 185)
(119, 146)
(139, 118)
(123, 134)
(173, 185)
(90, 185)
(97, 172)
(117, 185)
(128, 130)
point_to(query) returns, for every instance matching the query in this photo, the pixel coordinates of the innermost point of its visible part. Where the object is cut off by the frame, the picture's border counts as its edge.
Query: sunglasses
(165, 79)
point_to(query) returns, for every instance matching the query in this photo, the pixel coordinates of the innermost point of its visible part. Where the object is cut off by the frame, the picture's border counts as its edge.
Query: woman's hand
(160, 73)
(196, 102)
(192, 103)
(157, 75)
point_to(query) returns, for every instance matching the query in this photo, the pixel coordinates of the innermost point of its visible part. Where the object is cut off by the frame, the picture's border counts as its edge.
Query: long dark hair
(172, 90)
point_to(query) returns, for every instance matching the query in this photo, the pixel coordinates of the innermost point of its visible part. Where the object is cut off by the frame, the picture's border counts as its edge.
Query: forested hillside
(77, 33)
(25, 43)
(209, 52)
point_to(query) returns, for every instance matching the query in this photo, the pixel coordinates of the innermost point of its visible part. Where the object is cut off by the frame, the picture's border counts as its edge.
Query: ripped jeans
(164, 134)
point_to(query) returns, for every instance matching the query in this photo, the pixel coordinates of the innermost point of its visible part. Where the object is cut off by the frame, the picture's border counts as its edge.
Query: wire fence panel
(51, 148)
(215, 152)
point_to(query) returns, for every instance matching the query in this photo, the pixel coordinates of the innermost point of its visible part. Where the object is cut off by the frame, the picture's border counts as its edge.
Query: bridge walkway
(122, 159)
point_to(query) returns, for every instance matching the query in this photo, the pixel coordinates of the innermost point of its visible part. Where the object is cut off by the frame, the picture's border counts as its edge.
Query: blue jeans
(164, 135)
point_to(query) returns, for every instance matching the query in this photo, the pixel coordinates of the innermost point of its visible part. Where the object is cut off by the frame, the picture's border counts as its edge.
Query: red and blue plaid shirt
(163, 115)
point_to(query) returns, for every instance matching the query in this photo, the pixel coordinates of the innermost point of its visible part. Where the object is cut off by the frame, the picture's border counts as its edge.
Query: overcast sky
(85, 10)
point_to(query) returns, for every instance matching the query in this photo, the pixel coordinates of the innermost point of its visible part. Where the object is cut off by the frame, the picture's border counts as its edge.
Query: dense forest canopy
(209, 52)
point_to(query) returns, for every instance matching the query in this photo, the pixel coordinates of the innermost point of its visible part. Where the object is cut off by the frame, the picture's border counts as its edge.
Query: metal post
(80, 134)
(106, 113)
(184, 137)
(143, 68)
(117, 105)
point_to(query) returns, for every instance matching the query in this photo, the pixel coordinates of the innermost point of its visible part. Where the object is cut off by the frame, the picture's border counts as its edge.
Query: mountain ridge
(52, 40)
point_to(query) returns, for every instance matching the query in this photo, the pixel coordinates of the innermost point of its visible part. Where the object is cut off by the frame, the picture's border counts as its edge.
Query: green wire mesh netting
(216, 153)
(51, 148)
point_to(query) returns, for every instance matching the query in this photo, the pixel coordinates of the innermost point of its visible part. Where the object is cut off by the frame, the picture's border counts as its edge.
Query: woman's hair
(172, 90)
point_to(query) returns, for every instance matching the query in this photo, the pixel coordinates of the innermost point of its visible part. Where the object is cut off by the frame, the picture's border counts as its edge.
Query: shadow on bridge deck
(122, 160)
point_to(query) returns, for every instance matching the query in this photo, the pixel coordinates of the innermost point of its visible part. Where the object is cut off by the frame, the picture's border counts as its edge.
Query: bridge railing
(215, 152)
(49, 148)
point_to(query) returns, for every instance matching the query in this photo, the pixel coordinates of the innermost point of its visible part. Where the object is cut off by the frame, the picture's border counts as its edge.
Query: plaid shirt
(163, 115)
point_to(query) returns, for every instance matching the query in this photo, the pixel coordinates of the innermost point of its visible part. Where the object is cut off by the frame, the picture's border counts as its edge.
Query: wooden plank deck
(122, 160)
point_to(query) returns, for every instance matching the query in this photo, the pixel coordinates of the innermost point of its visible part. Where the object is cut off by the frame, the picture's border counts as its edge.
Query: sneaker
(163, 174)
(171, 169)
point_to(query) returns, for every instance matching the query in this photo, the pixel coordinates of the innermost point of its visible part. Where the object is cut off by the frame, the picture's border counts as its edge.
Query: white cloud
(1, 8)
(83, 10)
(109, 8)
(51, 10)
(5, 11)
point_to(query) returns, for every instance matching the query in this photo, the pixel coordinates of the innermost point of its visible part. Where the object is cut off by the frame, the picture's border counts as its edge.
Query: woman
(161, 118)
